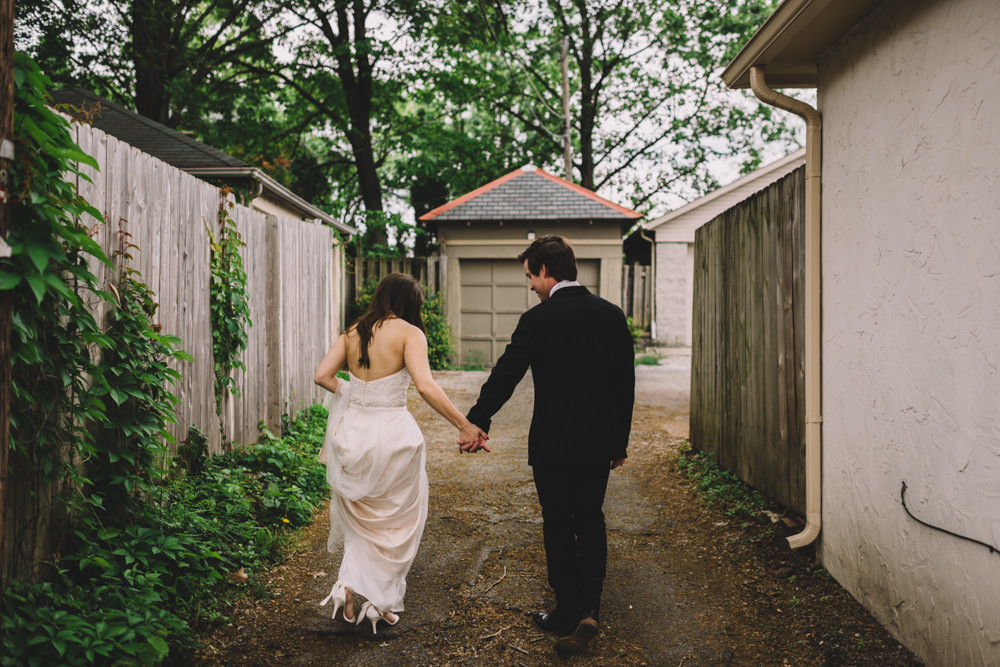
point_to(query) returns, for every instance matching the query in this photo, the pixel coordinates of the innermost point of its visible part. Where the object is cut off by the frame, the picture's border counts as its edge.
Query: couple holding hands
(579, 349)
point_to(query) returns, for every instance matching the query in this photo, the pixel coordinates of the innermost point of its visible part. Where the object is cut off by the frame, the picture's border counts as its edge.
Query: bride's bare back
(385, 353)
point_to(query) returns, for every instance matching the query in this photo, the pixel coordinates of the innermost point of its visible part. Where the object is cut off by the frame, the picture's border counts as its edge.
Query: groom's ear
(543, 271)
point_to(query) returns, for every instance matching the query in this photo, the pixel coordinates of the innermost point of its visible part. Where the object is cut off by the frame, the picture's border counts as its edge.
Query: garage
(480, 234)
(493, 295)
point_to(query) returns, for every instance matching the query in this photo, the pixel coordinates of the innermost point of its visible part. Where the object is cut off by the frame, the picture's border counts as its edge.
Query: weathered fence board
(747, 372)
(637, 294)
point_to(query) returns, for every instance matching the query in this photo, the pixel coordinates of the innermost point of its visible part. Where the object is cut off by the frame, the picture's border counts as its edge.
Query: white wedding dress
(375, 459)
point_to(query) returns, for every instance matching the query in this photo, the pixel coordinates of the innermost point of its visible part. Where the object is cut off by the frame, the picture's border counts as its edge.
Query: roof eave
(793, 38)
(277, 189)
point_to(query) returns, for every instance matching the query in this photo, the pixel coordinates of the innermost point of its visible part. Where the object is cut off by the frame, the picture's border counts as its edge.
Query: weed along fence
(294, 287)
(747, 368)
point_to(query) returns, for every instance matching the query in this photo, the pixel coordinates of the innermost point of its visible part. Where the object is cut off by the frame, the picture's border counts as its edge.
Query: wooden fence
(294, 285)
(747, 370)
(430, 271)
(637, 294)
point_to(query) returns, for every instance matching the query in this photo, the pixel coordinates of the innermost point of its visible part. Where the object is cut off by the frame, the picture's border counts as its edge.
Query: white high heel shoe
(339, 597)
(371, 613)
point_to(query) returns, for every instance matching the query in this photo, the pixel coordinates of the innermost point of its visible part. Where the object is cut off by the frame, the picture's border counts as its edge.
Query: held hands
(471, 438)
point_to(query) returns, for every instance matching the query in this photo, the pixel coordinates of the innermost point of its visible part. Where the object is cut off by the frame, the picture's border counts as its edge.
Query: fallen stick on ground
(497, 581)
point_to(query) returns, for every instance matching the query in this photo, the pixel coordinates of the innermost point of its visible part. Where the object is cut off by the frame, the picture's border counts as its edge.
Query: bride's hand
(471, 438)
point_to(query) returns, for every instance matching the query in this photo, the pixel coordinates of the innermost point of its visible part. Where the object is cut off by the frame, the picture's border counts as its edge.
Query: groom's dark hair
(555, 253)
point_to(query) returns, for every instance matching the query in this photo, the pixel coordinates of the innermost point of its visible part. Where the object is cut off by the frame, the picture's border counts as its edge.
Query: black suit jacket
(580, 352)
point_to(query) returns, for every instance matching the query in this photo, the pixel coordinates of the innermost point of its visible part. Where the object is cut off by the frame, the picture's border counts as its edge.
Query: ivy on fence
(230, 309)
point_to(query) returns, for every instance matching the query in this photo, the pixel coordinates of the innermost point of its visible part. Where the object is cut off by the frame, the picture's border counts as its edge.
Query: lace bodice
(385, 392)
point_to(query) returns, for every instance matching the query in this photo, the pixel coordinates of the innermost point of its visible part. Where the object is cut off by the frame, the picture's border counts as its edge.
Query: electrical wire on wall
(902, 495)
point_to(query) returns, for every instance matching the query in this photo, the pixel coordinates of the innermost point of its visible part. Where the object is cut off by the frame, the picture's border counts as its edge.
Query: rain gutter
(264, 183)
(813, 371)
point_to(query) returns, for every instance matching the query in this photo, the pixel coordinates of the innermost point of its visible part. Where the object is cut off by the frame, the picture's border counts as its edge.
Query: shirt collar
(563, 283)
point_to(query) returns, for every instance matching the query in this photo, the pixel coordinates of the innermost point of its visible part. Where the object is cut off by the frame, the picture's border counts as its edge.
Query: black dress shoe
(550, 622)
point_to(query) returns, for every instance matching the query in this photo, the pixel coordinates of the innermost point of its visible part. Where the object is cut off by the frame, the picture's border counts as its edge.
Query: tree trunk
(6, 132)
(151, 58)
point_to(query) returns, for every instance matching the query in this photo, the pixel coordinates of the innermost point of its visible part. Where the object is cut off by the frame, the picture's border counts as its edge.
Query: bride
(374, 450)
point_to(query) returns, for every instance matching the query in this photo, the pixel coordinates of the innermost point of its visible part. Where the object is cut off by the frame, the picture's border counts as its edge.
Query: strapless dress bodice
(385, 392)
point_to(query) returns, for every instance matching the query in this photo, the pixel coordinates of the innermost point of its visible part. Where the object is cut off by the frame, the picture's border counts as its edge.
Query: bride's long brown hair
(397, 295)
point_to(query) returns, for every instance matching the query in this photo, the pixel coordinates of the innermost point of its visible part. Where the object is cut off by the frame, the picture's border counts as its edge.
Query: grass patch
(648, 360)
(720, 487)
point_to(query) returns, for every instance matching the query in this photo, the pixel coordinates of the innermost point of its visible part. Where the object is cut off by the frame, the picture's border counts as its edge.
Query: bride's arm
(415, 358)
(336, 357)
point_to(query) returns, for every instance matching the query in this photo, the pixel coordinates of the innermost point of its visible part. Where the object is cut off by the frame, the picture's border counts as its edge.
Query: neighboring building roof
(530, 193)
(792, 40)
(679, 226)
(185, 153)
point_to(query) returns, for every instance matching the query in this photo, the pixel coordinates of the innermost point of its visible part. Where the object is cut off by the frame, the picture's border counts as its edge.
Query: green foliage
(133, 384)
(145, 558)
(133, 594)
(475, 360)
(720, 487)
(635, 328)
(230, 310)
(383, 235)
(52, 369)
(440, 340)
(648, 360)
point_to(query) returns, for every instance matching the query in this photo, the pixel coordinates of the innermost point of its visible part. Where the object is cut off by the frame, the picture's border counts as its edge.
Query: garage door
(494, 294)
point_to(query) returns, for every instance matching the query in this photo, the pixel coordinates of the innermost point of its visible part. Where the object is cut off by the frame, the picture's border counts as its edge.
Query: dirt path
(685, 586)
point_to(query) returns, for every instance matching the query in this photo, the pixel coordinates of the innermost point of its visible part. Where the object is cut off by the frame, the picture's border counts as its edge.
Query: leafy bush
(440, 340)
(132, 594)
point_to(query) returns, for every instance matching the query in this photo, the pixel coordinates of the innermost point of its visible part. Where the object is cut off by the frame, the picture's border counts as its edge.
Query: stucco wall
(674, 292)
(911, 322)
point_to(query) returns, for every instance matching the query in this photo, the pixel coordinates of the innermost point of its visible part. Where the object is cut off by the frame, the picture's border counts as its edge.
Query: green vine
(230, 310)
(48, 277)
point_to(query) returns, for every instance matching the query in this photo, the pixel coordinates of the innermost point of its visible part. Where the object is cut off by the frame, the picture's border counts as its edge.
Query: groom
(580, 352)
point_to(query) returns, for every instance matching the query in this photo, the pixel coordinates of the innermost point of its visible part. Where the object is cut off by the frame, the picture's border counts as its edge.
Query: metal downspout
(652, 279)
(813, 372)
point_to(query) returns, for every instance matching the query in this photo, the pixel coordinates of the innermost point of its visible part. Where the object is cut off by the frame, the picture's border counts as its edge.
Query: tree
(151, 54)
(649, 113)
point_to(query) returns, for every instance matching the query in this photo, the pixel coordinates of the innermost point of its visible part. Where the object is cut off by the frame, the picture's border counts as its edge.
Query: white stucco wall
(911, 322)
(674, 293)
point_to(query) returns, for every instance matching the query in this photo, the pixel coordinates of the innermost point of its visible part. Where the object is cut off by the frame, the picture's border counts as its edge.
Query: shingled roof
(171, 146)
(530, 193)
(186, 153)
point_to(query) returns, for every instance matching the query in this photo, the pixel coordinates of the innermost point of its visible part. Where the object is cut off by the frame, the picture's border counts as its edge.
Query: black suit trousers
(576, 542)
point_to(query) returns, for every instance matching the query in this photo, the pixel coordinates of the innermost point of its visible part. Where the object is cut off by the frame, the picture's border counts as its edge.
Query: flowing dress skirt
(375, 458)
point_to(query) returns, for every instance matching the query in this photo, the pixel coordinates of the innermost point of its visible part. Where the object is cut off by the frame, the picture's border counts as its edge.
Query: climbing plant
(46, 273)
(230, 310)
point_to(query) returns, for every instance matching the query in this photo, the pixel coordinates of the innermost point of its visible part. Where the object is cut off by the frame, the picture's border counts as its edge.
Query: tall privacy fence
(294, 285)
(747, 365)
